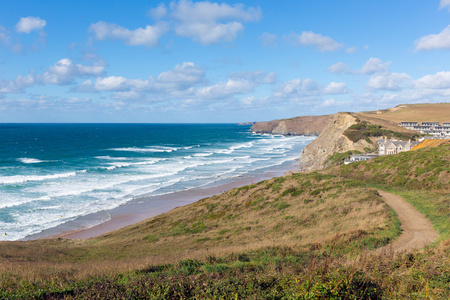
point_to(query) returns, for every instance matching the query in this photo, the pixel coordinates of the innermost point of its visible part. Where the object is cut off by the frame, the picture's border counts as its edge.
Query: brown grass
(438, 112)
(385, 124)
(298, 212)
(430, 143)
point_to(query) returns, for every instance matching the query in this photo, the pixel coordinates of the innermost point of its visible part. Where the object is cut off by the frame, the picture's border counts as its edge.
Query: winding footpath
(417, 230)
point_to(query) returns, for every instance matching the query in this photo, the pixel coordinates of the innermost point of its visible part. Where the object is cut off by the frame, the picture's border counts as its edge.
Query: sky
(190, 61)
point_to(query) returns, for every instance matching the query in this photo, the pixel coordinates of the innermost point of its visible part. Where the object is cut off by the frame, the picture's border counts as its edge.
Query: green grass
(273, 215)
(436, 207)
(420, 177)
(268, 273)
(365, 130)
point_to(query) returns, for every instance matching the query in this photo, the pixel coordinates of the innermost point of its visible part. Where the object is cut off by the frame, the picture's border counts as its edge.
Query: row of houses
(432, 128)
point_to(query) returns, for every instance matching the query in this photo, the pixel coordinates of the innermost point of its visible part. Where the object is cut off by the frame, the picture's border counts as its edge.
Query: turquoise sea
(51, 174)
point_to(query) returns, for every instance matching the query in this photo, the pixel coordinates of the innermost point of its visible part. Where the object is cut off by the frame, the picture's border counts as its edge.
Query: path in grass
(417, 230)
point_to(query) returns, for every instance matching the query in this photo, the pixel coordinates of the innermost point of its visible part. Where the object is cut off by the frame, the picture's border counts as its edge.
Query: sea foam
(88, 176)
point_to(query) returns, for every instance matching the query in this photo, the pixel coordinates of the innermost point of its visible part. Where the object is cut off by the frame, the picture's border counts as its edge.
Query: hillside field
(437, 112)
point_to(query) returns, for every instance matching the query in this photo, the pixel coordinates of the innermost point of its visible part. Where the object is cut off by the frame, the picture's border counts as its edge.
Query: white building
(386, 147)
(408, 125)
(432, 128)
(359, 157)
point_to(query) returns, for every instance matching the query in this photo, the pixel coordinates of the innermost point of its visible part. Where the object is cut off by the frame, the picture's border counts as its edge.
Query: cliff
(330, 141)
(305, 125)
(330, 130)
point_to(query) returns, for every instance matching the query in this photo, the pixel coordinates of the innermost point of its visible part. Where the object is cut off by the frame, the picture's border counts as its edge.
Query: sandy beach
(141, 209)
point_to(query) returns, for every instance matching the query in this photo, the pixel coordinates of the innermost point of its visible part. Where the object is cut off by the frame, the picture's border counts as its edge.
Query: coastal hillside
(305, 125)
(340, 135)
(347, 133)
(331, 140)
(436, 112)
(297, 236)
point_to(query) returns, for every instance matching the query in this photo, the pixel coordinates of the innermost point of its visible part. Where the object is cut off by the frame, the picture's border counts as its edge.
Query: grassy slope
(298, 210)
(438, 112)
(285, 237)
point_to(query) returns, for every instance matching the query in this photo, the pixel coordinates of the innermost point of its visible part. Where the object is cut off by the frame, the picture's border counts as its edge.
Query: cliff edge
(330, 141)
(305, 125)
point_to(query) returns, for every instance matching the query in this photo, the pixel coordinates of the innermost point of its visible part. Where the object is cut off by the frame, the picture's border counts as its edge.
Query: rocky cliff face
(331, 140)
(306, 125)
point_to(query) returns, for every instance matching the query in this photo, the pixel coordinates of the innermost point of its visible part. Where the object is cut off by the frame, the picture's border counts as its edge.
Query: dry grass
(299, 211)
(258, 217)
(438, 112)
(430, 143)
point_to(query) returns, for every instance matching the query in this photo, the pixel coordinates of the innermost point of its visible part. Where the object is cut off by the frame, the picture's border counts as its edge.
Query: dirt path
(417, 230)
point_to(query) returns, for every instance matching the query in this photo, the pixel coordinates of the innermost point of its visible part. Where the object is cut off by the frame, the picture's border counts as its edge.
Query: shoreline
(140, 209)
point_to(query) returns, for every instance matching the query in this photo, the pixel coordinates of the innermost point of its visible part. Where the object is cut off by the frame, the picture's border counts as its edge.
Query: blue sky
(205, 61)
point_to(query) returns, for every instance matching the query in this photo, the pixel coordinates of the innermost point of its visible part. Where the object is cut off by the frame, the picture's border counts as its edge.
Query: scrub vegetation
(300, 236)
(365, 130)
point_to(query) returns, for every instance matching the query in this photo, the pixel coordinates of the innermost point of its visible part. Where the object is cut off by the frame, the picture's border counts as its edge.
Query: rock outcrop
(330, 141)
(306, 125)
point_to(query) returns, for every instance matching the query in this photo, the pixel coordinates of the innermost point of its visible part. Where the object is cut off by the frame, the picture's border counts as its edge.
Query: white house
(386, 147)
(359, 157)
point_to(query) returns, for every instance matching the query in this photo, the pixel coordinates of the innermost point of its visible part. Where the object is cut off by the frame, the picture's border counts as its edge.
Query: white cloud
(129, 95)
(381, 77)
(256, 77)
(434, 41)
(17, 85)
(338, 68)
(444, 3)
(307, 91)
(210, 23)
(440, 80)
(352, 50)
(64, 72)
(4, 37)
(147, 36)
(268, 40)
(186, 74)
(28, 24)
(309, 38)
(183, 82)
(375, 65)
(391, 99)
(205, 22)
(158, 12)
(389, 81)
(248, 101)
(335, 88)
(111, 83)
(208, 34)
(329, 102)
(178, 82)
(75, 100)
(225, 89)
(297, 87)
(208, 12)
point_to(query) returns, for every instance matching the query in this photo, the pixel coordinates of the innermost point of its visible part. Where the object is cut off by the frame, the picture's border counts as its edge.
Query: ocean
(52, 174)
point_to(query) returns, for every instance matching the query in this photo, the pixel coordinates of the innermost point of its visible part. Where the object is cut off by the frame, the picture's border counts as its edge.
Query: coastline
(140, 209)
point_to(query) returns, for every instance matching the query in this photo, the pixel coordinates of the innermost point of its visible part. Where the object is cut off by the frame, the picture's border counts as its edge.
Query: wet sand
(143, 208)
